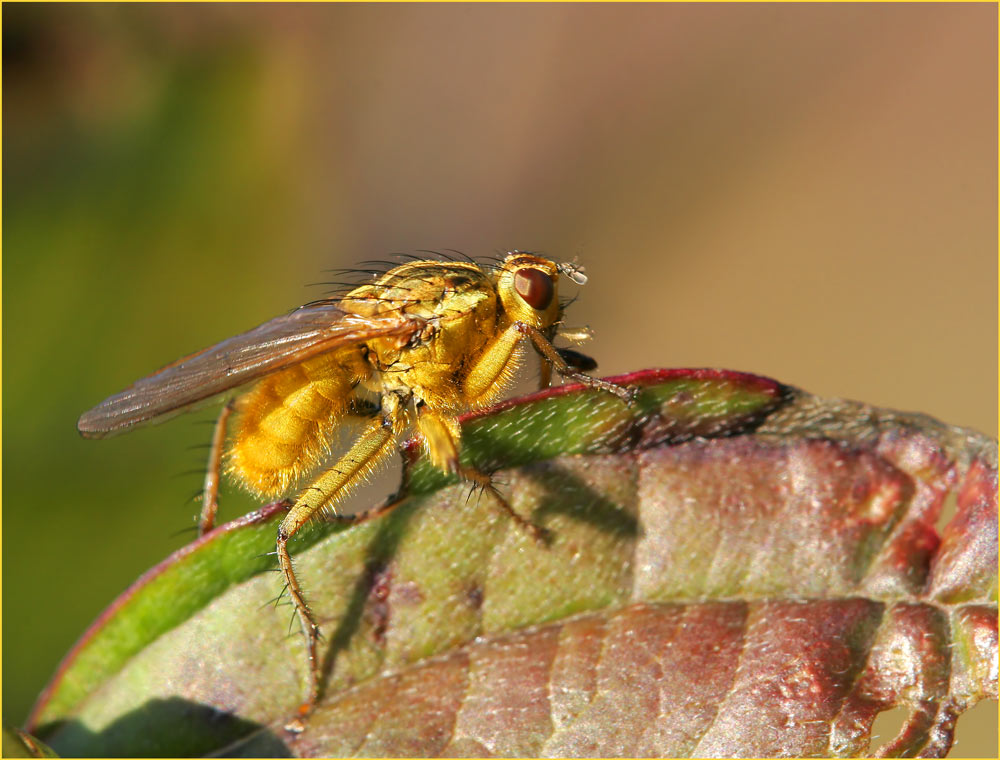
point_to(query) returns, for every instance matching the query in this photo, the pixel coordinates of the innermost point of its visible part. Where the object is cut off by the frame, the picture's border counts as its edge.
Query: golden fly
(418, 345)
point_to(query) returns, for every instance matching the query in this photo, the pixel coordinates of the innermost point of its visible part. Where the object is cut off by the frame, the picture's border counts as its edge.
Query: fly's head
(529, 289)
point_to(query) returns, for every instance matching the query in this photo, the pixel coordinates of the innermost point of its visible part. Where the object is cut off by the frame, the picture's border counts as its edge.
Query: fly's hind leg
(210, 490)
(375, 443)
(484, 481)
(441, 434)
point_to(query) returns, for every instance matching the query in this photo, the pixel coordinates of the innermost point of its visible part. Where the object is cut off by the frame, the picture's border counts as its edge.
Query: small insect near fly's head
(529, 289)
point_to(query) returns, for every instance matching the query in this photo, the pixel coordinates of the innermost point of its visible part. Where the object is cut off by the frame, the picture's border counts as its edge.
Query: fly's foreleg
(332, 486)
(485, 372)
(544, 376)
(210, 491)
(574, 359)
(551, 354)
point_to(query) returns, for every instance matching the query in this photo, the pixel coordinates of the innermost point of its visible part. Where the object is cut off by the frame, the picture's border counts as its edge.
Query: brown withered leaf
(736, 568)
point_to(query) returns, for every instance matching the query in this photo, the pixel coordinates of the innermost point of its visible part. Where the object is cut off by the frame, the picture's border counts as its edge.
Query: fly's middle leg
(441, 434)
(329, 488)
(484, 481)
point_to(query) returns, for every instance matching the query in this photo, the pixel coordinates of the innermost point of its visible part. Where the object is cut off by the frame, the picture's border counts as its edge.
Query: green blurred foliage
(120, 224)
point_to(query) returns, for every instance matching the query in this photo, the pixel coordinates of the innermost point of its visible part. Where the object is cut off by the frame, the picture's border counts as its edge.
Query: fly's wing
(274, 345)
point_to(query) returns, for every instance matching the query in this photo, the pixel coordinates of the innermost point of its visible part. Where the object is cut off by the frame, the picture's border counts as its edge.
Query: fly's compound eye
(535, 287)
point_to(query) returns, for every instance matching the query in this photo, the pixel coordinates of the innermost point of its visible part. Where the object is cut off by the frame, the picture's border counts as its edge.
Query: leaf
(18, 743)
(736, 568)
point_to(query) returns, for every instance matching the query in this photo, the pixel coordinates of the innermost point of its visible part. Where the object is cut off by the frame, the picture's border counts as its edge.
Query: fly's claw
(631, 393)
(627, 393)
(541, 535)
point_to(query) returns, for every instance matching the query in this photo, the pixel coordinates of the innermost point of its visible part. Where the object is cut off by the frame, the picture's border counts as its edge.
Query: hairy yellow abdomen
(286, 420)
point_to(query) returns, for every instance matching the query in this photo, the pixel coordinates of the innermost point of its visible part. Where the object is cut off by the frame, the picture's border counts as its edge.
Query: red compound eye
(535, 287)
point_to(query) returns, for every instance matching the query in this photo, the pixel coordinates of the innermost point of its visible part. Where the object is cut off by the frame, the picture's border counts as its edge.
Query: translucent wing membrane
(274, 345)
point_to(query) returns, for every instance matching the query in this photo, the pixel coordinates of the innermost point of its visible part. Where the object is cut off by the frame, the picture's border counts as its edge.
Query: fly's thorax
(457, 303)
(528, 287)
(420, 284)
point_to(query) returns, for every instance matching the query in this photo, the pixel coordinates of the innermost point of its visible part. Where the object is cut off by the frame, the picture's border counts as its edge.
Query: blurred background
(807, 192)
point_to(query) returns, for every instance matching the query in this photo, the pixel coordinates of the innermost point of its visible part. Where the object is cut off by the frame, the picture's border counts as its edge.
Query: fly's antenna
(573, 271)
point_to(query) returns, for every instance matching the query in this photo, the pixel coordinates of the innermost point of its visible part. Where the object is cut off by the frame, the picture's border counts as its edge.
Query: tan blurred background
(808, 192)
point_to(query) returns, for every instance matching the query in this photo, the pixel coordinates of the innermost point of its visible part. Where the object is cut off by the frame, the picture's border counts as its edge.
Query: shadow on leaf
(381, 551)
(567, 494)
(172, 727)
